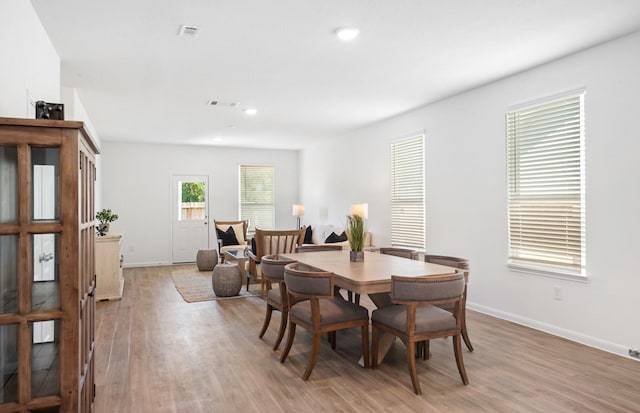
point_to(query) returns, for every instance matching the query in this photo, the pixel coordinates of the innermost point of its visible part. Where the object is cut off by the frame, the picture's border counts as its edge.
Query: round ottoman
(206, 259)
(226, 279)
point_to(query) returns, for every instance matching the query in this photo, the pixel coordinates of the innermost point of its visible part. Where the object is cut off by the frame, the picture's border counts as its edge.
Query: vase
(102, 229)
(356, 256)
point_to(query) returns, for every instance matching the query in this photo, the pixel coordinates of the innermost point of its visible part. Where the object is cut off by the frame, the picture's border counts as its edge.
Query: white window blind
(407, 193)
(545, 162)
(256, 196)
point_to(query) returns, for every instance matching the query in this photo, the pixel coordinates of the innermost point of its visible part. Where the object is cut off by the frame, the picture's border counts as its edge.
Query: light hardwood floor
(157, 353)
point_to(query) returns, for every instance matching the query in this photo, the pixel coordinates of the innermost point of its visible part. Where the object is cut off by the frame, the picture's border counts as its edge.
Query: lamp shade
(297, 210)
(360, 210)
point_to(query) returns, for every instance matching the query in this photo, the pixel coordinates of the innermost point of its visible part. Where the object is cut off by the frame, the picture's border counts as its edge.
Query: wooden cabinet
(109, 279)
(47, 266)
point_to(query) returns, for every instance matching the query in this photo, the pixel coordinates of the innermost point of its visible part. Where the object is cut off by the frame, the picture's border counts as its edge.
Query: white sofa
(320, 233)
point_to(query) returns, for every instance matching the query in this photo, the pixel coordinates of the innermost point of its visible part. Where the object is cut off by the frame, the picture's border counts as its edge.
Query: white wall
(466, 192)
(28, 61)
(136, 186)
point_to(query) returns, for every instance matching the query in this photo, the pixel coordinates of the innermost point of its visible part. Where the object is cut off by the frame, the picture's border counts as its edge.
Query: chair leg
(283, 325)
(425, 349)
(267, 320)
(315, 349)
(287, 347)
(457, 349)
(350, 297)
(375, 336)
(411, 361)
(332, 339)
(364, 332)
(465, 334)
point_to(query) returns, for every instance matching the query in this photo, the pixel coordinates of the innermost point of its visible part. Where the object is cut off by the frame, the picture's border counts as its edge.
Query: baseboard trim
(145, 264)
(590, 341)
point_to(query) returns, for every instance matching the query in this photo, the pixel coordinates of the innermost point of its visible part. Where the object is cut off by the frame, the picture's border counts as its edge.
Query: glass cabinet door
(8, 184)
(46, 183)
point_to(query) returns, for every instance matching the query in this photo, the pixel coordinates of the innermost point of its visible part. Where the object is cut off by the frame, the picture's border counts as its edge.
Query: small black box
(53, 111)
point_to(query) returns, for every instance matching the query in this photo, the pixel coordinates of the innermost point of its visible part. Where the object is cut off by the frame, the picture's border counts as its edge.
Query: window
(545, 163)
(256, 196)
(407, 193)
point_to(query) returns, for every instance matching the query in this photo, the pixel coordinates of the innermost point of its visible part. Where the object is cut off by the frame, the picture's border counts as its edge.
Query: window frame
(522, 193)
(409, 232)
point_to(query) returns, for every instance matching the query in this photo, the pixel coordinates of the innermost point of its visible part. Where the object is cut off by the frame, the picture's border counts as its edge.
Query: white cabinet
(109, 278)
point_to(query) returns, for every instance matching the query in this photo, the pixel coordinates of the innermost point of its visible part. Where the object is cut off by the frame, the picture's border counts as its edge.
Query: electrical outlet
(634, 353)
(557, 293)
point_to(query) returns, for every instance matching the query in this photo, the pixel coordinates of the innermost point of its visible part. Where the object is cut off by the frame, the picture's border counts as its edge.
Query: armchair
(231, 235)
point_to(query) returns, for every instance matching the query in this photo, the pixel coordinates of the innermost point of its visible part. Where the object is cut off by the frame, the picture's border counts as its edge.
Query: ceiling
(140, 82)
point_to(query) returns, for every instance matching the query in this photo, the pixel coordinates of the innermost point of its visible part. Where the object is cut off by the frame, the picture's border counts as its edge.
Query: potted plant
(355, 234)
(104, 216)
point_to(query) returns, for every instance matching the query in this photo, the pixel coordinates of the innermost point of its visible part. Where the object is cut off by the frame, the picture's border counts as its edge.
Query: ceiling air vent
(186, 30)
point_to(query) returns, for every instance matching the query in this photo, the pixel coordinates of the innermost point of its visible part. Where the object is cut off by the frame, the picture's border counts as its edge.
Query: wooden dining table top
(373, 275)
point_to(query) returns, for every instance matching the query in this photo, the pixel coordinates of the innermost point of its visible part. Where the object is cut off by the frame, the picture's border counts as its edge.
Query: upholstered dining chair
(399, 252)
(463, 265)
(318, 248)
(321, 312)
(272, 242)
(384, 299)
(277, 298)
(231, 235)
(416, 316)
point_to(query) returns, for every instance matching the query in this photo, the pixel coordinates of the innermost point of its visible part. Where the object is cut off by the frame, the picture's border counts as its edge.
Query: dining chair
(399, 252)
(321, 312)
(276, 298)
(463, 265)
(416, 316)
(318, 248)
(231, 235)
(384, 299)
(271, 242)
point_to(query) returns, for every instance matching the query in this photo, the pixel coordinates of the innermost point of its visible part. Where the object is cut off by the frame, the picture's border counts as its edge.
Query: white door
(189, 206)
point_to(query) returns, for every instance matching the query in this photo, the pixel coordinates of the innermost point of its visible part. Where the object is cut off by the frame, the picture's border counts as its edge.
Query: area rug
(196, 286)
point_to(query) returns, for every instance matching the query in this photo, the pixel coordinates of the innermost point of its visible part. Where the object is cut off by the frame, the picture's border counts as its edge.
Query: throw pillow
(333, 238)
(307, 236)
(228, 237)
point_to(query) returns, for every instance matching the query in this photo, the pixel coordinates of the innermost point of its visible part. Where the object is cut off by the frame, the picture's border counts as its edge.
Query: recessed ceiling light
(251, 111)
(347, 33)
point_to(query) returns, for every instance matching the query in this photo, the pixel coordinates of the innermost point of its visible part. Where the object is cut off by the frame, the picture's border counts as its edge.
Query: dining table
(372, 276)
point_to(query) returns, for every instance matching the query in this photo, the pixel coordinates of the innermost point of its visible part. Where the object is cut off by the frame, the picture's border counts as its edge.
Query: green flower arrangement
(355, 232)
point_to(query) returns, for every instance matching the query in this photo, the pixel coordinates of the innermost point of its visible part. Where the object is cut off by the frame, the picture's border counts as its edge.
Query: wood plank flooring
(157, 353)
